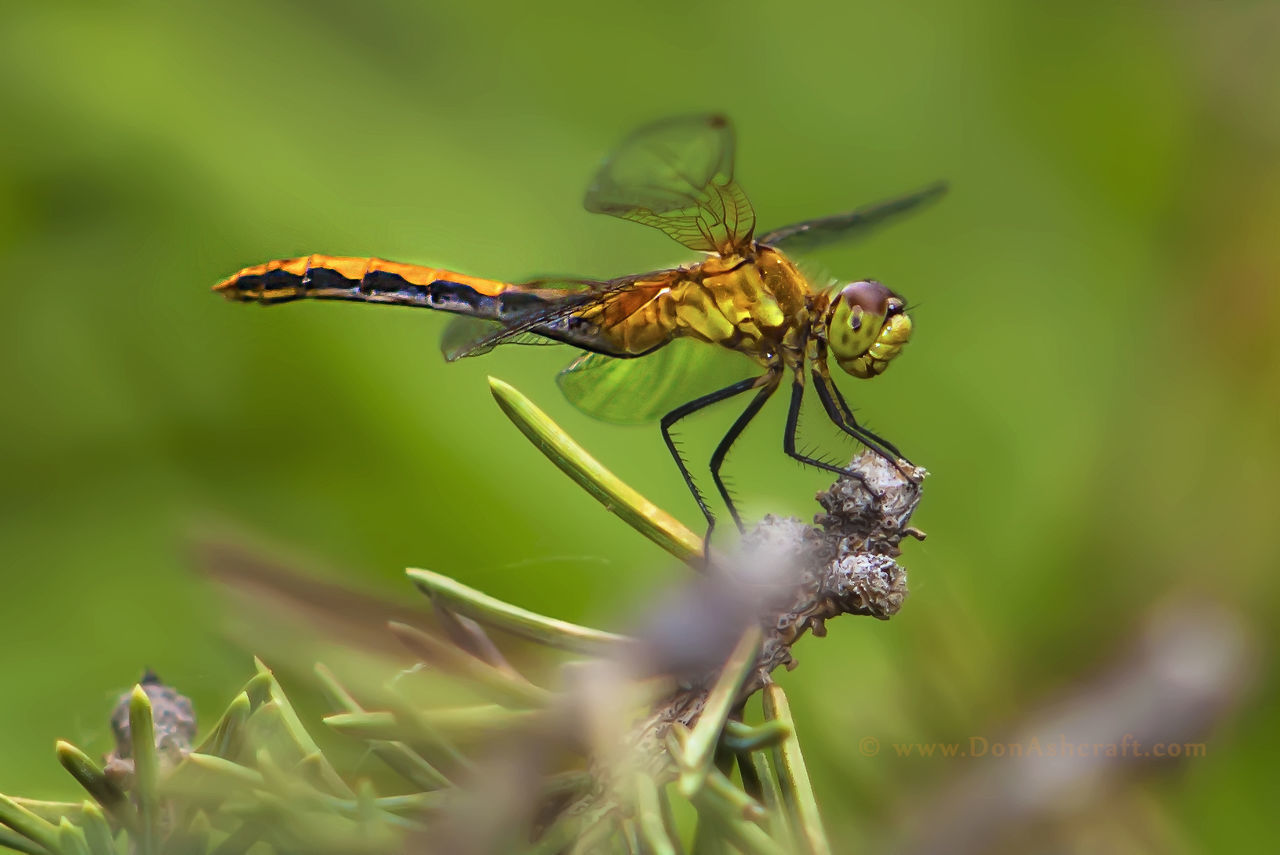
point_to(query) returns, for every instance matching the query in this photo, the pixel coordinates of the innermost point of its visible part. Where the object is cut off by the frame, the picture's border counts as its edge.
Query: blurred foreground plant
(645, 739)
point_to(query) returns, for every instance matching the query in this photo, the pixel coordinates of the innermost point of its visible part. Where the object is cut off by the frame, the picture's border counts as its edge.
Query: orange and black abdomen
(366, 280)
(373, 280)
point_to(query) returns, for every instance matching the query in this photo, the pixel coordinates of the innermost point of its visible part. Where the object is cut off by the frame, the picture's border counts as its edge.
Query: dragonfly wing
(520, 309)
(643, 389)
(677, 175)
(464, 336)
(815, 233)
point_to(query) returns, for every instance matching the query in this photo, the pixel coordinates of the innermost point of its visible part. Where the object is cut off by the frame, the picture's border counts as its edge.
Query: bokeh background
(1093, 384)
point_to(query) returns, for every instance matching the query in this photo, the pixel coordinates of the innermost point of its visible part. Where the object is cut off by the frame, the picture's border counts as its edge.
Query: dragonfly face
(866, 326)
(645, 337)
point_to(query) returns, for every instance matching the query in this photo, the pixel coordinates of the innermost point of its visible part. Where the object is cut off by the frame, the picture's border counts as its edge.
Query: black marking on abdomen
(323, 277)
(456, 297)
(377, 286)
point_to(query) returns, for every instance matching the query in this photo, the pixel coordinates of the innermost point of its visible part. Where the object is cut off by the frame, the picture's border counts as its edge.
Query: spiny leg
(793, 427)
(852, 422)
(768, 385)
(669, 420)
(793, 423)
(839, 413)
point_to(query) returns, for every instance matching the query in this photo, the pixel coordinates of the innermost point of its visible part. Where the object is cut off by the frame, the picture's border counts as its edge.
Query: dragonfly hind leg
(669, 421)
(767, 384)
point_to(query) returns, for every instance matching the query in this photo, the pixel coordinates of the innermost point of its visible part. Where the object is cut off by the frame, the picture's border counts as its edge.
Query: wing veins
(651, 179)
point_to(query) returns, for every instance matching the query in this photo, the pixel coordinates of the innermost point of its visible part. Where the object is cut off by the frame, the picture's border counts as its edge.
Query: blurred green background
(1093, 382)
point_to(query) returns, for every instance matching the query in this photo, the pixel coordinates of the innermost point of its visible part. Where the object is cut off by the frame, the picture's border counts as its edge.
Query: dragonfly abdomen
(366, 280)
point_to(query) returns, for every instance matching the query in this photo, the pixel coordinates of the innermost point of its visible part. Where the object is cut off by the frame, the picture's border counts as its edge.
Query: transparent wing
(645, 388)
(464, 336)
(815, 233)
(677, 175)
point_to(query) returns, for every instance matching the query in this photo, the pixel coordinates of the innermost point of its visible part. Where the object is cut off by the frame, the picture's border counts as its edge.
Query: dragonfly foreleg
(842, 416)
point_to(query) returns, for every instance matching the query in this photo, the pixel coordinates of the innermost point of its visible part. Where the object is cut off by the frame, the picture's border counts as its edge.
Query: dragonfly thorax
(866, 326)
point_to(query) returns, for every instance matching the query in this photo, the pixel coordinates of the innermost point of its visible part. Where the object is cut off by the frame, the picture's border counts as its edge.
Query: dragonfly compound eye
(867, 325)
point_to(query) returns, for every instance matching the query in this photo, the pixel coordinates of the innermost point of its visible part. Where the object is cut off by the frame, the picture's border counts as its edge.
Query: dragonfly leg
(793, 427)
(789, 441)
(768, 384)
(669, 421)
(839, 413)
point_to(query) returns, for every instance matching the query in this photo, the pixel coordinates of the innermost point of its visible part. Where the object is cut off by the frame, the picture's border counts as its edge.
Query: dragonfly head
(866, 326)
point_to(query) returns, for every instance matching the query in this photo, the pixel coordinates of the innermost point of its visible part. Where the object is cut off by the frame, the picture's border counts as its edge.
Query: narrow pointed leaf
(207, 775)
(95, 781)
(779, 823)
(367, 803)
(611, 491)
(305, 744)
(471, 637)
(146, 771)
(335, 692)
(52, 811)
(258, 689)
(72, 839)
(228, 734)
(365, 725)
(735, 815)
(421, 732)
(793, 777)
(743, 834)
(96, 831)
(742, 738)
(13, 840)
(709, 838)
(743, 805)
(406, 762)
(416, 803)
(464, 724)
(409, 764)
(658, 838)
(41, 832)
(493, 612)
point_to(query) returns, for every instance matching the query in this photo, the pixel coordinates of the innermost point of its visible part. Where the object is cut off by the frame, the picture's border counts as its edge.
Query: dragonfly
(644, 336)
